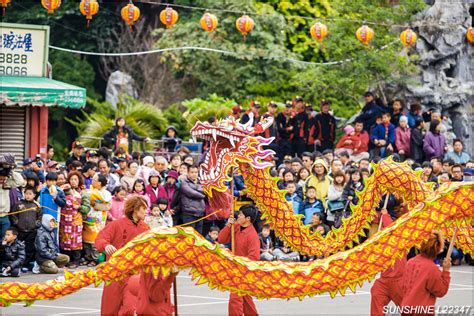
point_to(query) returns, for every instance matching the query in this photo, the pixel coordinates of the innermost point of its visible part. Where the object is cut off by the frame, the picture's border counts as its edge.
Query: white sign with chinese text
(23, 50)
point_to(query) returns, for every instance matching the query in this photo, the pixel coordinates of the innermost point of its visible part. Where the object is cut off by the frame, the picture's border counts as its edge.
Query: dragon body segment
(158, 251)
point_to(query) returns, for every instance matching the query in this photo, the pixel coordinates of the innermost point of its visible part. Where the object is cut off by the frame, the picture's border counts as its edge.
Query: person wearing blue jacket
(383, 137)
(51, 199)
(292, 197)
(311, 205)
(369, 112)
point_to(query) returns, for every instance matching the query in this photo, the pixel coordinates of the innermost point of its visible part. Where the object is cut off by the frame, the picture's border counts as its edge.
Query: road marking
(209, 297)
(197, 304)
(74, 313)
(464, 285)
(60, 307)
(467, 272)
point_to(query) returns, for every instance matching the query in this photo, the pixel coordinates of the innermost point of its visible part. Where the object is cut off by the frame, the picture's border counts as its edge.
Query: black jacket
(325, 127)
(13, 255)
(283, 123)
(349, 190)
(301, 126)
(369, 113)
(416, 145)
(45, 246)
(27, 221)
(111, 137)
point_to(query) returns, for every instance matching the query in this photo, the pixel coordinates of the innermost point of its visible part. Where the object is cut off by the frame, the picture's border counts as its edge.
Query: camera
(38, 161)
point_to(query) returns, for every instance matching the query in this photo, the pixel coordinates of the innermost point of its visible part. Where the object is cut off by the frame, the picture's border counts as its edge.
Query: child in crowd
(12, 253)
(311, 205)
(52, 198)
(383, 137)
(266, 245)
(146, 168)
(335, 203)
(317, 224)
(47, 254)
(27, 223)
(170, 191)
(152, 190)
(159, 216)
(285, 253)
(70, 227)
(139, 189)
(118, 203)
(292, 197)
(213, 234)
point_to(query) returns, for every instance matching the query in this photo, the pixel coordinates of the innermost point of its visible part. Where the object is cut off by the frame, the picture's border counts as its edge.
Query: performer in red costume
(247, 244)
(114, 236)
(388, 287)
(423, 281)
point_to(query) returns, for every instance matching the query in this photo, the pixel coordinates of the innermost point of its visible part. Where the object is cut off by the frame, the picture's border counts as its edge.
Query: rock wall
(446, 61)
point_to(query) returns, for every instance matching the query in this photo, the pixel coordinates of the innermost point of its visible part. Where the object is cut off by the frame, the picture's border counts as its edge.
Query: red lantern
(51, 5)
(4, 4)
(244, 25)
(208, 22)
(318, 31)
(89, 8)
(169, 17)
(130, 14)
(365, 34)
(470, 35)
(408, 37)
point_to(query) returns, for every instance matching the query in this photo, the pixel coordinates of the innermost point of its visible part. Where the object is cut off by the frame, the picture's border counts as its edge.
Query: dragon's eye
(229, 127)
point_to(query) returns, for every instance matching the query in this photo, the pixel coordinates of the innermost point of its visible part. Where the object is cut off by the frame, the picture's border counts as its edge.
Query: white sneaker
(36, 268)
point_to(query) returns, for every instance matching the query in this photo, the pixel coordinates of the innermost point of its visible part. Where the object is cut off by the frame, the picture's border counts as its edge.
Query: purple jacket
(433, 145)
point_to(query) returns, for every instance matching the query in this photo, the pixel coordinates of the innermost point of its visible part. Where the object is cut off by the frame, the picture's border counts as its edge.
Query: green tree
(145, 120)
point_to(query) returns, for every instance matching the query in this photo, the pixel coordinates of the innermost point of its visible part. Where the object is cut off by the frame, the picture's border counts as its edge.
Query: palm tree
(145, 120)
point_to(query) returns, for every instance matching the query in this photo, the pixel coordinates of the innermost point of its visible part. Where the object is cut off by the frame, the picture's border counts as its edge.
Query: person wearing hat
(284, 121)
(300, 127)
(319, 179)
(253, 112)
(121, 135)
(369, 112)
(324, 129)
(271, 131)
(34, 166)
(76, 154)
(247, 244)
(236, 111)
(52, 166)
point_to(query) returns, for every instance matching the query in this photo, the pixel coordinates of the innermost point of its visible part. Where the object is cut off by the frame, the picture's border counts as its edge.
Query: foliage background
(209, 83)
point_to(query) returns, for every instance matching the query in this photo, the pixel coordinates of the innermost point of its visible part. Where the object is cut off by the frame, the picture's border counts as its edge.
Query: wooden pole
(385, 203)
(451, 244)
(232, 228)
(175, 294)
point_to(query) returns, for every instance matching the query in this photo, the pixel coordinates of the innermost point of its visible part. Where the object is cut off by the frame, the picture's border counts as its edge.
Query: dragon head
(231, 143)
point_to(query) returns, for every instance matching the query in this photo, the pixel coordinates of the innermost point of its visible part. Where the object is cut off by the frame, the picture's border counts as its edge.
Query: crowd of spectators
(54, 212)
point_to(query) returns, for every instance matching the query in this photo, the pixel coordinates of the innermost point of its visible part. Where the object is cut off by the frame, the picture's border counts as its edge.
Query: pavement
(194, 300)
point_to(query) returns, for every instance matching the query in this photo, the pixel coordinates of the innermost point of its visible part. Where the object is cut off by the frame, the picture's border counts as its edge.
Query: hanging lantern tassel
(318, 31)
(244, 25)
(169, 17)
(470, 35)
(51, 5)
(4, 4)
(89, 8)
(365, 34)
(408, 38)
(130, 14)
(208, 22)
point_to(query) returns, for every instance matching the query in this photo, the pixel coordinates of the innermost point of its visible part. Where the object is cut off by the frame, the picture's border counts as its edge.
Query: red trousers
(383, 291)
(241, 305)
(112, 297)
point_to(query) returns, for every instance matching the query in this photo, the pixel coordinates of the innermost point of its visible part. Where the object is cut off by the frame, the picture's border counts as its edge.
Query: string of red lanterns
(244, 24)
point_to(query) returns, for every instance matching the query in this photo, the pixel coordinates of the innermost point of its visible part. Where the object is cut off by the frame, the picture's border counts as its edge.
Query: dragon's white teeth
(194, 139)
(212, 174)
(231, 139)
(214, 134)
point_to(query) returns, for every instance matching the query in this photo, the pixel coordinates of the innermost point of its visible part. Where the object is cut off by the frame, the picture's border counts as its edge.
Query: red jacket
(423, 282)
(153, 194)
(247, 243)
(402, 139)
(154, 295)
(117, 234)
(396, 271)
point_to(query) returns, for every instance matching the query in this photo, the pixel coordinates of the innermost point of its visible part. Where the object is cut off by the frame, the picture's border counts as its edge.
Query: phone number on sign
(15, 59)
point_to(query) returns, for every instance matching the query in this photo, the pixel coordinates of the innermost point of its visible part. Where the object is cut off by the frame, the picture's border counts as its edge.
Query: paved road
(201, 300)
